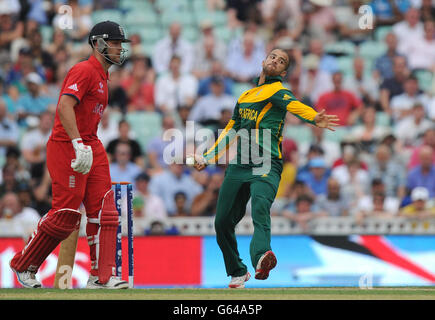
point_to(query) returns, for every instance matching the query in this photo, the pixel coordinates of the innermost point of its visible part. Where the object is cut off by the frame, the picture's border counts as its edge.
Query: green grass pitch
(339, 293)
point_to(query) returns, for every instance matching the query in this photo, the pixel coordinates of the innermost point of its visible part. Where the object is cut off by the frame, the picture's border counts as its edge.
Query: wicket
(118, 196)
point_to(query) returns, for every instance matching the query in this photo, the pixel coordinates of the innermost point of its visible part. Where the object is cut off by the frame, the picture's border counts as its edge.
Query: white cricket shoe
(239, 282)
(266, 263)
(113, 283)
(27, 279)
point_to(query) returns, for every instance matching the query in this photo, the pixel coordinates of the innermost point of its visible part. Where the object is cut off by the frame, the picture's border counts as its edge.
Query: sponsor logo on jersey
(72, 181)
(100, 90)
(249, 114)
(73, 87)
(286, 97)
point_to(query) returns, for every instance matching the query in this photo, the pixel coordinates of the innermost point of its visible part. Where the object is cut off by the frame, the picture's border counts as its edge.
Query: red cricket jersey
(87, 83)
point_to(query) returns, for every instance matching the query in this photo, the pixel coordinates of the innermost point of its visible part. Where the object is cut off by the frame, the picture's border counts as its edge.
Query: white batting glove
(83, 161)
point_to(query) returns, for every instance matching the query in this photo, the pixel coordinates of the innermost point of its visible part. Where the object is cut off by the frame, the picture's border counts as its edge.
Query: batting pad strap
(93, 240)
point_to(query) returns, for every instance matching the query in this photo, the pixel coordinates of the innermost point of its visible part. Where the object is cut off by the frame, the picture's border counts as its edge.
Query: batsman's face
(276, 63)
(115, 49)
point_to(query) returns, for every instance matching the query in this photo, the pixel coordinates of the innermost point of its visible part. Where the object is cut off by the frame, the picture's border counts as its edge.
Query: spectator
(23, 66)
(314, 151)
(354, 180)
(427, 10)
(340, 102)
(411, 129)
(125, 135)
(317, 178)
(14, 162)
(176, 88)
(33, 144)
(122, 168)
(244, 62)
(11, 28)
(423, 175)
(171, 181)
(217, 71)
(20, 220)
(388, 12)
(285, 13)
(9, 132)
(421, 206)
(330, 148)
(428, 140)
(108, 129)
(304, 212)
(376, 207)
(408, 31)
(35, 101)
(139, 87)
(393, 86)
(421, 52)
(40, 55)
(209, 107)
(321, 21)
(147, 207)
(118, 98)
(170, 46)
(384, 64)
(313, 82)
(369, 133)
(288, 201)
(363, 85)
(333, 203)
(387, 169)
(327, 63)
(401, 105)
(204, 204)
(349, 26)
(289, 170)
(240, 12)
(157, 145)
(207, 50)
(81, 19)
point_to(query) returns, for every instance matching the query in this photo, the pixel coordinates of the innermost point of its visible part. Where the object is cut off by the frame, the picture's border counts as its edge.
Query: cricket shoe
(266, 263)
(27, 279)
(113, 283)
(239, 282)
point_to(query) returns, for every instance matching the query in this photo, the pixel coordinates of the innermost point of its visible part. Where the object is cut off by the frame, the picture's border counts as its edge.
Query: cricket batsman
(79, 168)
(261, 108)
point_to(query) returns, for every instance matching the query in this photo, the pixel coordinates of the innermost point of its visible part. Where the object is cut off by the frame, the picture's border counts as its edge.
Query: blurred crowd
(374, 71)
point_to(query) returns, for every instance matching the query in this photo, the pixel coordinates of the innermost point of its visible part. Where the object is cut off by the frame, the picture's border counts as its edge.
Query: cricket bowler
(79, 168)
(262, 108)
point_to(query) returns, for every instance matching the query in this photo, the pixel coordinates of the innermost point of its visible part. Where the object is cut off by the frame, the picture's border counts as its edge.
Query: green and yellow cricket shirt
(262, 107)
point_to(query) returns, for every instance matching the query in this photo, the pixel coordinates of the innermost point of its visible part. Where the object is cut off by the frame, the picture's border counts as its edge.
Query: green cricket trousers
(238, 186)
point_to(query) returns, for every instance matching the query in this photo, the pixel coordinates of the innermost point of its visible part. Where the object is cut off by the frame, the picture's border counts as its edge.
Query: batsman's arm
(67, 115)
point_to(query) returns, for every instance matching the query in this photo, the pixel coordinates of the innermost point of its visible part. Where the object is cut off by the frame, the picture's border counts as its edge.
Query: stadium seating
(341, 48)
(425, 79)
(107, 14)
(145, 125)
(372, 49)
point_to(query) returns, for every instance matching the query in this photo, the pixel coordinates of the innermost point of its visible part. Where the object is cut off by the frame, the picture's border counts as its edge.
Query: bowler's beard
(269, 72)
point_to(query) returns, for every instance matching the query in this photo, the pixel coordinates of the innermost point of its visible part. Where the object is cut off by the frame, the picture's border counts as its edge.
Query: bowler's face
(275, 63)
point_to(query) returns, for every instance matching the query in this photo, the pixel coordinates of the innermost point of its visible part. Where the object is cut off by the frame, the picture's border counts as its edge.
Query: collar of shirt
(97, 65)
(268, 80)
